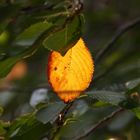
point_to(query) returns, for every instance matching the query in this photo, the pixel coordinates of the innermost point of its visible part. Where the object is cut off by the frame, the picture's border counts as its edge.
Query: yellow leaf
(70, 74)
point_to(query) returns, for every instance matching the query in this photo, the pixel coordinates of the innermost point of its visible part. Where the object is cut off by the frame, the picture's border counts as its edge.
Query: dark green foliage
(50, 112)
(29, 30)
(27, 127)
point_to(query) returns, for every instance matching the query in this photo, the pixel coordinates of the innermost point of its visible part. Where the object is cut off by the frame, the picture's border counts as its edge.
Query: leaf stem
(60, 119)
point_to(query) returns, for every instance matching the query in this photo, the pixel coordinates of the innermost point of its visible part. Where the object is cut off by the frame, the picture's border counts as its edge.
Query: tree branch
(101, 122)
(74, 6)
(123, 29)
(63, 113)
(60, 119)
(37, 8)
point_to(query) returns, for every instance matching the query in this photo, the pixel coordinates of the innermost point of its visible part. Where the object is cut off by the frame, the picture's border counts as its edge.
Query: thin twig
(101, 122)
(123, 29)
(60, 119)
(64, 112)
(37, 8)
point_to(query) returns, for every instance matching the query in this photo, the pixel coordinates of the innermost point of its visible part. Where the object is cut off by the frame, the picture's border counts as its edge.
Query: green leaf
(137, 112)
(133, 83)
(27, 127)
(114, 98)
(7, 64)
(129, 99)
(29, 37)
(64, 39)
(100, 104)
(50, 112)
(31, 34)
(133, 98)
(3, 127)
(74, 127)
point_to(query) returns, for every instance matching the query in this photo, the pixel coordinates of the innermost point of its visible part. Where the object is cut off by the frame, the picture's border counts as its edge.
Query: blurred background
(26, 85)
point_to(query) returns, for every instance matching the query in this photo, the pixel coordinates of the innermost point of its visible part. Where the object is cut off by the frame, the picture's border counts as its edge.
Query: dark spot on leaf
(55, 68)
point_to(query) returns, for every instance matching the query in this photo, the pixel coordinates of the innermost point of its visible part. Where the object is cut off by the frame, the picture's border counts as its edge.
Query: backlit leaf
(70, 74)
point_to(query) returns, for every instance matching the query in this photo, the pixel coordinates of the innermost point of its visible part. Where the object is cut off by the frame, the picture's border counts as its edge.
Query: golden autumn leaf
(70, 74)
